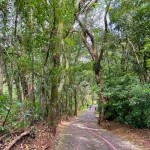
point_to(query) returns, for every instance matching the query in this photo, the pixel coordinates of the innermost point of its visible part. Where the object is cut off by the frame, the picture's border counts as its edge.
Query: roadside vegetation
(57, 56)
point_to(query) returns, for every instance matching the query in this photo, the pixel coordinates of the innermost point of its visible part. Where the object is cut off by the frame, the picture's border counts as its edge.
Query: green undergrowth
(15, 114)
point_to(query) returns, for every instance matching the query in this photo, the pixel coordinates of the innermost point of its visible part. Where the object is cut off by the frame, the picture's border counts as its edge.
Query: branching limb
(51, 34)
(92, 49)
(17, 13)
(17, 139)
(106, 32)
(87, 45)
(4, 122)
(133, 48)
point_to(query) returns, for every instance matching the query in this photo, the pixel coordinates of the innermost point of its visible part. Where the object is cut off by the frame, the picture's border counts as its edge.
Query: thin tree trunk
(66, 103)
(18, 88)
(8, 80)
(24, 85)
(43, 100)
(71, 103)
(134, 50)
(32, 94)
(1, 77)
(75, 102)
(33, 80)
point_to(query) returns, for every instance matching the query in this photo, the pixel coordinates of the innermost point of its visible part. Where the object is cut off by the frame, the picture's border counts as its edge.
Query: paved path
(83, 134)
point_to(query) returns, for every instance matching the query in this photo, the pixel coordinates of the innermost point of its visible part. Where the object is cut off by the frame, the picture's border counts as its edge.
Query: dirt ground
(82, 133)
(42, 141)
(140, 137)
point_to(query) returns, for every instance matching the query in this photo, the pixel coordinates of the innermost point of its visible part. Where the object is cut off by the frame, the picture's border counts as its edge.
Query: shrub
(132, 107)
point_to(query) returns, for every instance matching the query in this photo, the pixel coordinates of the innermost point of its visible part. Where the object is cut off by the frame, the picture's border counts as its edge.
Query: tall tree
(1, 76)
(94, 52)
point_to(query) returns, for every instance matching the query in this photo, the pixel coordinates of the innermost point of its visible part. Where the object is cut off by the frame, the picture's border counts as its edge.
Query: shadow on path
(83, 133)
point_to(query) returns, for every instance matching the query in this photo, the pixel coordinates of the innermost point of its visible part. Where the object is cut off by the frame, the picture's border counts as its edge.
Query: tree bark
(17, 82)
(8, 80)
(53, 104)
(66, 102)
(17, 139)
(24, 85)
(1, 77)
(43, 100)
(56, 47)
(75, 102)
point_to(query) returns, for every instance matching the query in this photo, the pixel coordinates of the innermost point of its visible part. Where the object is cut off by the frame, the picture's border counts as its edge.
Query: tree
(1, 77)
(93, 50)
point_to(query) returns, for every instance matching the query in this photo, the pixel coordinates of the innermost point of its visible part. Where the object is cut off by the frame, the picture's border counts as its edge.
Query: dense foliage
(55, 57)
(128, 102)
(127, 78)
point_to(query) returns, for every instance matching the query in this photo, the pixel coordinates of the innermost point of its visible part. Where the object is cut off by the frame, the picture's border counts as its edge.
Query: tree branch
(81, 10)
(105, 33)
(4, 122)
(17, 12)
(17, 139)
(133, 48)
(93, 49)
(87, 45)
(52, 33)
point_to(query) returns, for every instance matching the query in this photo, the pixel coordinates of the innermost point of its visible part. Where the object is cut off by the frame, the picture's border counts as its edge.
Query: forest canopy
(57, 56)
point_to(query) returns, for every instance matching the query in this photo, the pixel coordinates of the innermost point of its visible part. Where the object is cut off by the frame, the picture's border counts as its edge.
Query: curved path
(83, 134)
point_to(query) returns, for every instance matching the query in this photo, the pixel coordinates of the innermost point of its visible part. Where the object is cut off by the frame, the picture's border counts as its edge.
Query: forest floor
(83, 133)
(140, 137)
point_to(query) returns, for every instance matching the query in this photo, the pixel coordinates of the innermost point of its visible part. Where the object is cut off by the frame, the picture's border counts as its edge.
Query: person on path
(90, 107)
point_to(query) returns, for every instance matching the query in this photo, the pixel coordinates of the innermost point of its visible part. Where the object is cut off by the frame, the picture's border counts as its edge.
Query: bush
(132, 107)
(18, 116)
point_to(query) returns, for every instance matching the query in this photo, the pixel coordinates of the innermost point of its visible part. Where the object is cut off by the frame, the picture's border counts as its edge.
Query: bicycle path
(83, 133)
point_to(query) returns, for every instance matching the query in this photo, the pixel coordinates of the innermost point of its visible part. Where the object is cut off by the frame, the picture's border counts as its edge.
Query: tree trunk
(8, 80)
(24, 85)
(1, 77)
(75, 102)
(43, 100)
(56, 47)
(71, 102)
(53, 104)
(32, 92)
(66, 102)
(97, 58)
(17, 82)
